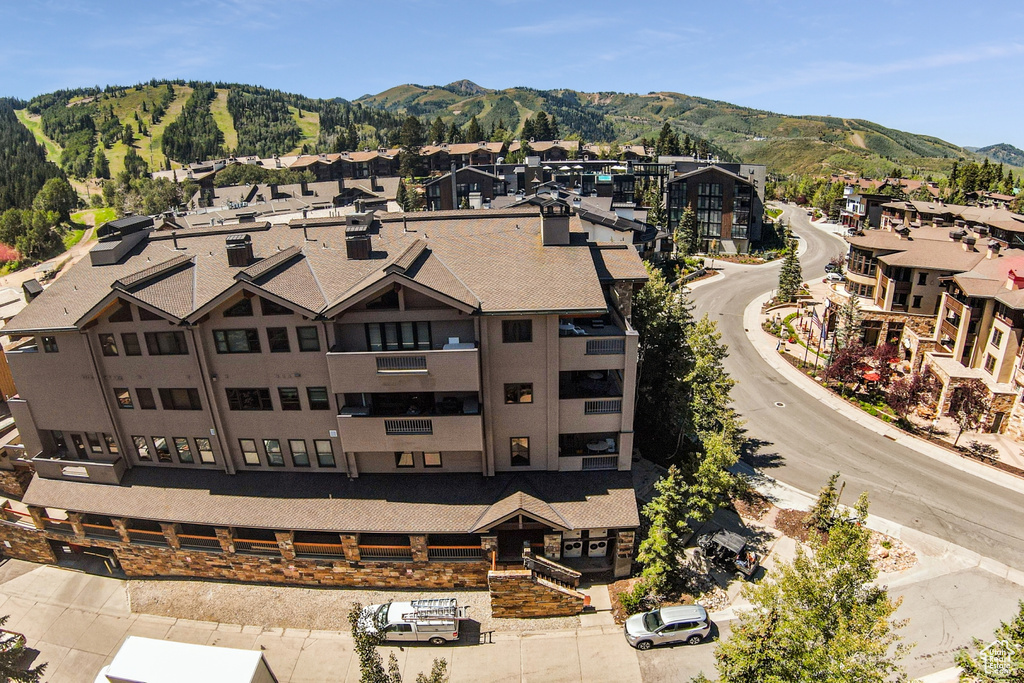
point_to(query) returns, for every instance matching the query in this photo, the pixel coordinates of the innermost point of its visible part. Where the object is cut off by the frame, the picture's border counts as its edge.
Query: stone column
(121, 524)
(286, 542)
(489, 544)
(419, 548)
(624, 552)
(350, 546)
(37, 516)
(227, 539)
(75, 519)
(171, 531)
(553, 546)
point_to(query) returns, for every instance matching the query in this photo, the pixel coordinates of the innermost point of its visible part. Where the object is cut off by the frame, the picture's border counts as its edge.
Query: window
(130, 343)
(50, 344)
(269, 307)
(709, 209)
(518, 393)
(997, 337)
(917, 301)
(318, 398)
(277, 338)
(242, 309)
(249, 452)
(289, 398)
(324, 453)
(108, 345)
(111, 444)
(431, 459)
(124, 398)
(398, 336)
(404, 459)
(59, 442)
(237, 341)
(183, 449)
(163, 451)
(516, 331)
(922, 278)
(142, 447)
(94, 442)
(274, 456)
(180, 399)
(146, 400)
(205, 449)
(123, 314)
(309, 338)
(990, 367)
(166, 344)
(249, 399)
(76, 439)
(300, 456)
(520, 451)
(146, 314)
(899, 299)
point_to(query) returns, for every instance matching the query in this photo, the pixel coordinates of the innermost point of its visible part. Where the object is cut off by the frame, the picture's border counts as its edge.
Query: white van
(435, 621)
(145, 660)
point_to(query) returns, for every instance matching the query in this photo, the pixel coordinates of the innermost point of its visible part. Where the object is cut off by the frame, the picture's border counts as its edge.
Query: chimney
(239, 249)
(968, 243)
(956, 235)
(455, 194)
(1013, 281)
(357, 236)
(554, 222)
(993, 249)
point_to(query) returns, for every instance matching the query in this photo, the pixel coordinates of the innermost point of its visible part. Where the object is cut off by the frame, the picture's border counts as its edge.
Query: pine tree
(411, 140)
(529, 131)
(437, 132)
(12, 651)
(848, 320)
(823, 512)
(542, 126)
(687, 234)
(401, 197)
(660, 551)
(655, 208)
(128, 136)
(554, 128)
(708, 383)
(473, 131)
(790, 276)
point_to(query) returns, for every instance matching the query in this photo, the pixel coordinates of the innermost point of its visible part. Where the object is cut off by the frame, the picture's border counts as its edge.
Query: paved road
(804, 442)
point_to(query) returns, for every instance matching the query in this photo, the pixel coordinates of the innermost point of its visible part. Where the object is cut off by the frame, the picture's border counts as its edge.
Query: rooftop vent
(239, 249)
(993, 249)
(957, 235)
(358, 243)
(554, 219)
(969, 243)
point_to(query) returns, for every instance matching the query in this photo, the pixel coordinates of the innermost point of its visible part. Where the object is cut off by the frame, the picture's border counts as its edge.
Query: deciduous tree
(905, 394)
(845, 366)
(968, 405)
(58, 196)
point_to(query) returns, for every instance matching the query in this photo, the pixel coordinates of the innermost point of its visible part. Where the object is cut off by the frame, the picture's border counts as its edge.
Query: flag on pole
(814, 316)
(824, 331)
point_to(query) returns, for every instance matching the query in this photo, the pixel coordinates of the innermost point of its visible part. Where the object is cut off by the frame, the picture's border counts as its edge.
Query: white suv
(684, 624)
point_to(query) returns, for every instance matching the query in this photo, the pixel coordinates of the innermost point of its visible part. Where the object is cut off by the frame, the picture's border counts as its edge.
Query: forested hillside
(23, 165)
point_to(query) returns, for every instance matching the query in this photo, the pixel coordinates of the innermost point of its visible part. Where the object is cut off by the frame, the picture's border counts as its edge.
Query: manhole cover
(780, 404)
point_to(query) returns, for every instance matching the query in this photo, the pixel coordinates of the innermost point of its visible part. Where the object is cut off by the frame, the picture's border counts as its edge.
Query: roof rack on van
(438, 608)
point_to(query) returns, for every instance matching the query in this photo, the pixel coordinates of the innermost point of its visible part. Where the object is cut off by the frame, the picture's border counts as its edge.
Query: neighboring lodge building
(941, 281)
(377, 399)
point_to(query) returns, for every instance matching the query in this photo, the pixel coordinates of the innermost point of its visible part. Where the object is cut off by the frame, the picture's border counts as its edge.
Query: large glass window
(94, 442)
(516, 331)
(432, 460)
(124, 398)
(404, 459)
(130, 343)
(520, 451)
(277, 338)
(318, 398)
(249, 453)
(50, 345)
(180, 399)
(183, 449)
(142, 447)
(324, 452)
(398, 336)
(163, 451)
(122, 314)
(240, 310)
(108, 345)
(237, 341)
(300, 455)
(111, 444)
(289, 398)
(205, 449)
(309, 338)
(166, 344)
(709, 209)
(273, 308)
(249, 399)
(146, 400)
(518, 393)
(275, 458)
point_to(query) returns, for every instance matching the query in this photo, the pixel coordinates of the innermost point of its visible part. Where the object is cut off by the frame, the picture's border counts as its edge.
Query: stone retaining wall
(516, 593)
(13, 483)
(25, 544)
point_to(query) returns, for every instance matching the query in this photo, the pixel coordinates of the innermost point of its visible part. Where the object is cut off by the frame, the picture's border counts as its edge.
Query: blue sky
(949, 69)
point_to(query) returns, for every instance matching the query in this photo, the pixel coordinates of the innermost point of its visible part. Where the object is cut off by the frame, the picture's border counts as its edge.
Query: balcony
(591, 415)
(79, 470)
(433, 433)
(442, 370)
(949, 329)
(600, 349)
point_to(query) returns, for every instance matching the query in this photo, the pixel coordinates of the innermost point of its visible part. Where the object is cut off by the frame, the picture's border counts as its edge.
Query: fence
(401, 363)
(319, 549)
(199, 542)
(253, 547)
(101, 531)
(606, 347)
(603, 406)
(61, 526)
(604, 462)
(143, 537)
(385, 552)
(455, 552)
(404, 427)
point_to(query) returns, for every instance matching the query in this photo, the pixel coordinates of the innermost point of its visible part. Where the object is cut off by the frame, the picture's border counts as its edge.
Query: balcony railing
(385, 552)
(455, 552)
(606, 347)
(398, 364)
(61, 526)
(602, 406)
(319, 549)
(143, 537)
(603, 462)
(552, 571)
(77, 470)
(408, 427)
(252, 547)
(101, 531)
(199, 542)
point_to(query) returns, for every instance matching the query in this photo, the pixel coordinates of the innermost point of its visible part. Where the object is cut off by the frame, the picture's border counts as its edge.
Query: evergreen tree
(437, 132)
(660, 551)
(687, 235)
(655, 208)
(848, 321)
(542, 126)
(401, 197)
(411, 163)
(473, 131)
(12, 651)
(708, 384)
(790, 276)
(134, 165)
(823, 512)
(713, 479)
(554, 128)
(128, 136)
(454, 135)
(819, 618)
(529, 131)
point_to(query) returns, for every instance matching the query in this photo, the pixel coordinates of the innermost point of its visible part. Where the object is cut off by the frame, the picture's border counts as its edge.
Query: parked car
(832, 268)
(435, 621)
(835, 277)
(683, 624)
(728, 549)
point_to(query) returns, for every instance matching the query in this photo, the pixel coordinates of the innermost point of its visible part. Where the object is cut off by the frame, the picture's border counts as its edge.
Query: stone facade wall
(25, 544)
(14, 482)
(518, 594)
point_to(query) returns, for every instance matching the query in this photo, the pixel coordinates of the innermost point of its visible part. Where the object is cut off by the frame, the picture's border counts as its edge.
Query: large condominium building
(377, 399)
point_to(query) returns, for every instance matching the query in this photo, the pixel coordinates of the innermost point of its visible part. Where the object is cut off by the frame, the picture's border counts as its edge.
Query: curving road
(806, 441)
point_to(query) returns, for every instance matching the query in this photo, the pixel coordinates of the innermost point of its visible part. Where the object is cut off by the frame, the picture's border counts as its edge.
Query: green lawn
(310, 126)
(53, 150)
(219, 109)
(95, 217)
(73, 237)
(773, 213)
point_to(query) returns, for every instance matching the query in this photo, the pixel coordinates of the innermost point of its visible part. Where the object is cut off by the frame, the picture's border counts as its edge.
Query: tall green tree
(437, 131)
(791, 274)
(58, 196)
(848, 323)
(708, 384)
(473, 131)
(100, 165)
(401, 195)
(661, 550)
(542, 126)
(819, 617)
(687, 234)
(11, 653)
(656, 209)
